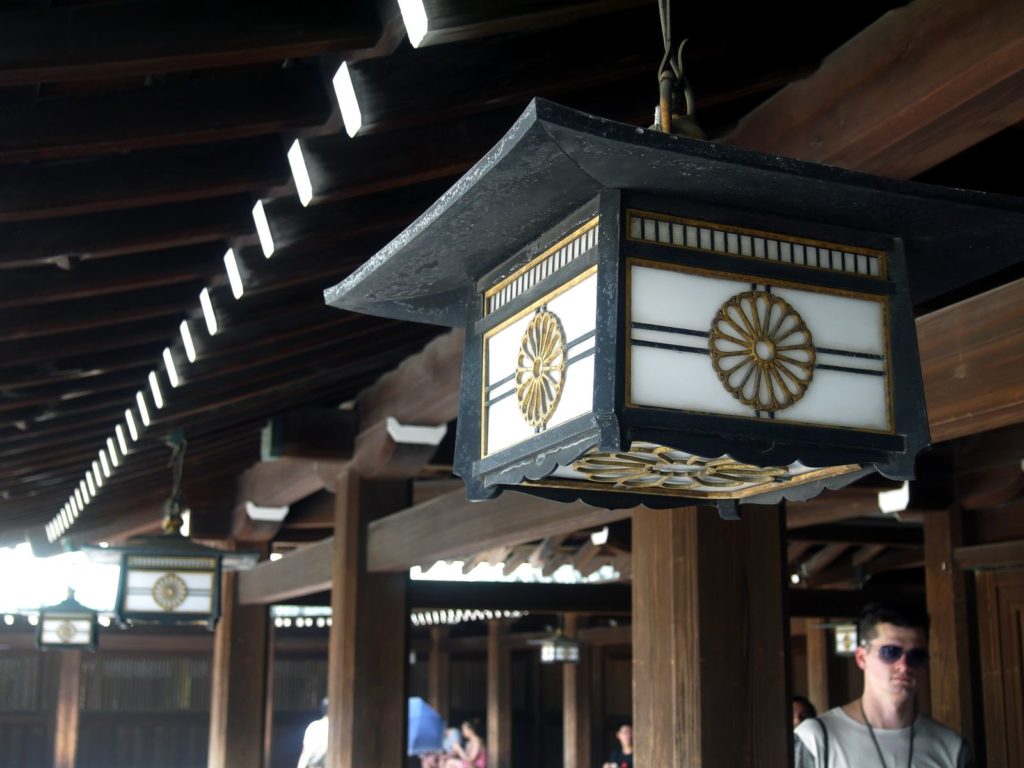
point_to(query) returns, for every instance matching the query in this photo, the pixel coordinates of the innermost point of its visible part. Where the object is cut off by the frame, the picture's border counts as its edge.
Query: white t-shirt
(850, 744)
(314, 741)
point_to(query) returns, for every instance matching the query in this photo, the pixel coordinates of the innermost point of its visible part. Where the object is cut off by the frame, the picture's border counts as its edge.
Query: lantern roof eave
(554, 159)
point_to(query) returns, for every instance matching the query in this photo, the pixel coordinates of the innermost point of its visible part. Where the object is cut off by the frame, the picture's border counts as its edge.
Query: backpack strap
(823, 758)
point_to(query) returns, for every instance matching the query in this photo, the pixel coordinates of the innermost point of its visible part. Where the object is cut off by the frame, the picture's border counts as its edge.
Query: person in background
(802, 710)
(622, 754)
(314, 741)
(474, 753)
(882, 729)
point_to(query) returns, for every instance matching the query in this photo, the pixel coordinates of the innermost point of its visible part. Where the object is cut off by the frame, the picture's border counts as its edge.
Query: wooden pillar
(239, 682)
(439, 671)
(576, 704)
(949, 644)
(817, 664)
(499, 702)
(367, 647)
(710, 639)
(66, 717)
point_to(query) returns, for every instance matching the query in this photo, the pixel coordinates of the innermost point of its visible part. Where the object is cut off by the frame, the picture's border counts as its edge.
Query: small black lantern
(166, 578)
(68, 624)
(558, 649)
(650, 317)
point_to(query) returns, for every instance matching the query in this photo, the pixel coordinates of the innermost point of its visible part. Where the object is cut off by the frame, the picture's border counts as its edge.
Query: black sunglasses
(916, 657)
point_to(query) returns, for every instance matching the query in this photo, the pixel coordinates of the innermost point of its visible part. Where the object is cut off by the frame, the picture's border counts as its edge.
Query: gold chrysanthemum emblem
(65, 631)
(762, 351)
(647, 466)
(540, 368)
(170, 591)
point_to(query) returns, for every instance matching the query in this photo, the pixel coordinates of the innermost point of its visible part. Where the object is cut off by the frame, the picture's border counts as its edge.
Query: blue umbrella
(426, 728)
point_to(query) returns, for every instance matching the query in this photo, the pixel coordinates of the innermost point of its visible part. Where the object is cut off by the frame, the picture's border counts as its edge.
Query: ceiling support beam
(451, 527)
(918, 86)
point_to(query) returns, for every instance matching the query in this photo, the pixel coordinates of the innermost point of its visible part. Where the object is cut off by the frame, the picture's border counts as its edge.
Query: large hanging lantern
(66, 625)
(166, 578)
(652, 318)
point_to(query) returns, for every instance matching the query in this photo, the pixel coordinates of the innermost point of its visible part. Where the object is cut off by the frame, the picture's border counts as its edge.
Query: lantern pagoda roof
(171, 545)
(554, 159)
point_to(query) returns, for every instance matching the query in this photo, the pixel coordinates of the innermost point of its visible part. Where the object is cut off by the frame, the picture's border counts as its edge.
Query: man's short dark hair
(874, 614)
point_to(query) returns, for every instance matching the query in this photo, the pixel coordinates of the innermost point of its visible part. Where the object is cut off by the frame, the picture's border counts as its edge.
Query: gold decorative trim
(762, 351)
(697, 493)
(729, 229)
(647, 466)
(496, 288)
(540, 369)
(170, 591)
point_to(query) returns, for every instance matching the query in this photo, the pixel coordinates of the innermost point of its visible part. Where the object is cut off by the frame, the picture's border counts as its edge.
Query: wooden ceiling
(135, 139)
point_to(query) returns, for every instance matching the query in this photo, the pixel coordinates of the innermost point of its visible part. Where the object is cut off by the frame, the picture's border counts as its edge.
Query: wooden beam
(875, 531)
(305, 571)
(499, 699)
(115, 233)
(949, 643)
(448, 22)
(986, 557)
(67, 714)
(817, 665)
(239, 681)
(439, 672)
(904, 94)
(576, 724)
(123, 40)
(709, 640)
(182, 111)
(318, 434)
(823, 558)
(136, 179)
(449, 527)
(367, 652)
(971, 354)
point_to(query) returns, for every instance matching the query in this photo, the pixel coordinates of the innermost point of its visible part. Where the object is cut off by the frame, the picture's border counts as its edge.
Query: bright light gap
(234, 276)
(208, 314)
(140, 400)
(186, 339)
(172, 370)
(154, 386)
(345, 92)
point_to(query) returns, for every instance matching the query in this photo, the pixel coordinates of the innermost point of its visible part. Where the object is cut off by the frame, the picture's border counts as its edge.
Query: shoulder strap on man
(823, 758)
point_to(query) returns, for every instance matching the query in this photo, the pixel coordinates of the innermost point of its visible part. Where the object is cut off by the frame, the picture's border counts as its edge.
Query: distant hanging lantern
(68, 624)
(558, 649)
(167, 579)
(651, 318)
(845, 639)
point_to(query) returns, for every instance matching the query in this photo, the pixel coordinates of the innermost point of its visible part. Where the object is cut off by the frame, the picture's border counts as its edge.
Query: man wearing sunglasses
(882, 728)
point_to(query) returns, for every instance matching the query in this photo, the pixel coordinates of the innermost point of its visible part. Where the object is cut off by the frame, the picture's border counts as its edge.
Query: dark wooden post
(817, 664)
(499, 702)
(66, 717)
(367, 646)
(576, 704)
(239, 681)
(949, 644)
(439, 671)
(710, 639)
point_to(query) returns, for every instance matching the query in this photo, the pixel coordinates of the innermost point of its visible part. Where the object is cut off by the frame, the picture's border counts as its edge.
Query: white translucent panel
(839, 322)
(705, 238)
(345, 91)
(678, 299)
(678, 234)
(691, 236)
(844, 400)
(578, 393)
(849, 262)
(62, 631)
(845, 361)
(649, 229)
(786, 251)
(759, 247)
(799, 253)
(503, 350)
(576, 308)
(773, 250)
(685, 381)
(667, 337)
(733, 243)
(139, 587)
(664, 232)
(874, 266)
(719, 241)
(506, 425)
(636, 227)
(746, 245)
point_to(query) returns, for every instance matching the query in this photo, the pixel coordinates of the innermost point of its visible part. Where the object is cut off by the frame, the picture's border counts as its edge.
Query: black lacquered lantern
(68, 624)
(650, 317)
